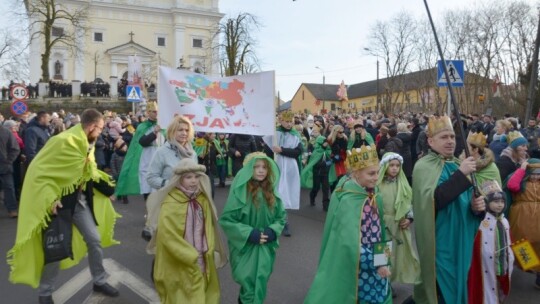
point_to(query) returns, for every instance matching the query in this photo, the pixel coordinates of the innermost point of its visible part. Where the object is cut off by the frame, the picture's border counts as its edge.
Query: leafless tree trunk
(47, 15)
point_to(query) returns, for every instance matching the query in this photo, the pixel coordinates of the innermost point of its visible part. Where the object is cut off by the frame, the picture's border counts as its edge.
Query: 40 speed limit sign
(19, 92)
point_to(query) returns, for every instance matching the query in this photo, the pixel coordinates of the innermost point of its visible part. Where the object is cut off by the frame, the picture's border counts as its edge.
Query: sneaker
(146, 235)
(286, 231)
(107, 290)
(46, 300)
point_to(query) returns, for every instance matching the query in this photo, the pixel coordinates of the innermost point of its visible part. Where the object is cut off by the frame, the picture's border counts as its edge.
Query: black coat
(71, 200)
(35, 138)
(9, 150)
(405, 152)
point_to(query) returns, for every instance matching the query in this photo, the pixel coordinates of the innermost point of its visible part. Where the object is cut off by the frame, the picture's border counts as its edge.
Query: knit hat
(10, 123)
(516, 139)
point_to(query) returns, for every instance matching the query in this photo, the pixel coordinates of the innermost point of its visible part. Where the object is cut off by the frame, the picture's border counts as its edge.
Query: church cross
(131, 34)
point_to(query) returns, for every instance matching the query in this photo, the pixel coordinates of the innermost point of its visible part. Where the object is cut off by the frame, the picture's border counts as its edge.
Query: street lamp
(378, 100)
(323, 83)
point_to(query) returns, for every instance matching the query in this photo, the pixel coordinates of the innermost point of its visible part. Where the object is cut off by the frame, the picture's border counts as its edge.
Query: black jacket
(9, 150)
(71, 200)
(35, 138)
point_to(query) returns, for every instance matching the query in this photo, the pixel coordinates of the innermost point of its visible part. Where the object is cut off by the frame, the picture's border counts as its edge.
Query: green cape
(306, 176)
(402, 205)
(336, 280)
(56, 171)
(128, 179)
(251, 264)
(368, 138)
(444, 242)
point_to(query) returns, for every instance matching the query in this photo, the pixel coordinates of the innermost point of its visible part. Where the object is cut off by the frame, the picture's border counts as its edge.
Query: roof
(323, 92)
(285, 106)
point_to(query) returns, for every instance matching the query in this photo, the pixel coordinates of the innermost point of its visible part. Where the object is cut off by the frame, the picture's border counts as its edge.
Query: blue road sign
(455, 72)
(133, 93)
(19, 107)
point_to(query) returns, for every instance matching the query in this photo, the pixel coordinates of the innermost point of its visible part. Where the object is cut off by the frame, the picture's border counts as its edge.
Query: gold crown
(513, 135)
(363, 157)
(490, 186)
(286, 116)
(152, 106)
(438, 124)
(477, 139)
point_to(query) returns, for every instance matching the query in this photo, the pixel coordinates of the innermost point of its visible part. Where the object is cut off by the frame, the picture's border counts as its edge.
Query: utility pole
(534, 75)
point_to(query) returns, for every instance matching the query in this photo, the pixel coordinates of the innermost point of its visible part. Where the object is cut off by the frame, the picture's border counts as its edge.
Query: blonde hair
(505, 124)
(333, 134)
(175, 126)
(402, 127)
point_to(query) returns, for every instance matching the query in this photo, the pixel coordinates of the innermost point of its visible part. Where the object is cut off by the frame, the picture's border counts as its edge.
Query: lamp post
(323, 83)
(378, 99)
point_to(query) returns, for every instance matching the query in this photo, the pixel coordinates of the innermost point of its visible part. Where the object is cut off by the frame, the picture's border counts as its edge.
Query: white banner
(243, 104)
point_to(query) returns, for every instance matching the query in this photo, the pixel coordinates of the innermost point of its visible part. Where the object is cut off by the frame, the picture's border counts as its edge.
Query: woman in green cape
(397, 201)
(252, 219)
(354, 250)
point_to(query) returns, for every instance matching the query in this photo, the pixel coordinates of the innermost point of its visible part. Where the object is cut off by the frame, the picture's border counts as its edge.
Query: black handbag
(57, 237)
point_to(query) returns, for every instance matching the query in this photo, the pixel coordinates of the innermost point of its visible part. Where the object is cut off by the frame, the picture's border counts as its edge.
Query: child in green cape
(252, 219)
(396, 195)
(353, 264)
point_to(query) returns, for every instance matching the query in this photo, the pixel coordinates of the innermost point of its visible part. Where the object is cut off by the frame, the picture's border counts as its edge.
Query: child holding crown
(351, 270)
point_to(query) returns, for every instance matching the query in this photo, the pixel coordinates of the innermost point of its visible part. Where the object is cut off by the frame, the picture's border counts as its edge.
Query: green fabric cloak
(369, 140)
(177, 276)
(128, 179)
(306, 176)
(60, 167)
(336, 280)
(444, 241)
(251, 264)
(397, 198)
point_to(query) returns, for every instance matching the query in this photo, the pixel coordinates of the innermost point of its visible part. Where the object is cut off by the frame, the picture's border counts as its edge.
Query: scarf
(185, 151)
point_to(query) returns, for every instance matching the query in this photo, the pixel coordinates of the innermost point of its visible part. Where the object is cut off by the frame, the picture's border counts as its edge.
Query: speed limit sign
(19, 92)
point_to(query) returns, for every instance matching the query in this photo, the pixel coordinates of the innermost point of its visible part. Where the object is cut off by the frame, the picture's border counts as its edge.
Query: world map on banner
(242, 104)
(225, 95)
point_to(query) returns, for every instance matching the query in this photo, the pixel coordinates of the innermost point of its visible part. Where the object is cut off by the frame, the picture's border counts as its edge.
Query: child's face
(393, 168)
(190, 181)
(260, 170)
(211, 136)
(315, 133)
(367, 177)
(497, 206)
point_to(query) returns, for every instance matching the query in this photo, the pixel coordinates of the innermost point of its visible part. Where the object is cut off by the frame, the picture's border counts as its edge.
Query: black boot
(325, 205)
(409, 300)
(286, 231)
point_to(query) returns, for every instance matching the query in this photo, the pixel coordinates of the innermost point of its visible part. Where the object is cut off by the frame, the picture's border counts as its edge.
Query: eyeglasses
(340, 132)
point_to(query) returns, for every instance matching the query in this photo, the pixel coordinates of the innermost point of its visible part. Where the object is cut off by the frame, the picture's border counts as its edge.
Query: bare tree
(56, 24)
(13, 57)
(237, 47)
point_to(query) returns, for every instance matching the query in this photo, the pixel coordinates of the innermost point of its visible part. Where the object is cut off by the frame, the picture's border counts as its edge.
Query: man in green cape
(315, 173)
(64, 175)
(445, 217)
(147, 137)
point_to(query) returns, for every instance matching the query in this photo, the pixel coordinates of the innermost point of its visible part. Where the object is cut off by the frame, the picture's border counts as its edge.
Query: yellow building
(416, 91)
(160, 32)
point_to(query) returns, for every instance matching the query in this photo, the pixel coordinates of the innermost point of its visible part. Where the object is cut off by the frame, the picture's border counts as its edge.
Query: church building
(175, 33)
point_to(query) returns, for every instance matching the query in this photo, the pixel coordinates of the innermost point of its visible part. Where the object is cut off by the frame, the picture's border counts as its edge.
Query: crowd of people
(381, 176)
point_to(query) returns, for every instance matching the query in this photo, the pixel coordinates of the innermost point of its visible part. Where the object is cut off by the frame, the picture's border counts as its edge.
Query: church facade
(175, 33)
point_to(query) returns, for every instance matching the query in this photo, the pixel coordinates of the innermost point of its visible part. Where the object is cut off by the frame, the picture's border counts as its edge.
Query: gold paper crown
(286, 116)
(152, 106)
(513, 135)
(250, 156)
(363, 157)
(490, 186)
(438, 124)
(477, 139)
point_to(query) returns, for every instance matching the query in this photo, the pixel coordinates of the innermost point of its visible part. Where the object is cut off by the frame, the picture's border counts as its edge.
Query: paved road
(293, 272)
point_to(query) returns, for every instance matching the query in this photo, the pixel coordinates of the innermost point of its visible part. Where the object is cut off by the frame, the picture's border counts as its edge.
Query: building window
(161, 41)
(98, 37)
(57, 31)
(333, 106)
(197, 43)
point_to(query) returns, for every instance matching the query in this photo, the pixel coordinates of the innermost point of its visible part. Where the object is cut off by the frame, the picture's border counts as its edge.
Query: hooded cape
(251, 264)
(336, 280)
(128, 180)
(397, 198)
(306, 176)
(60, 167)
(445, 240)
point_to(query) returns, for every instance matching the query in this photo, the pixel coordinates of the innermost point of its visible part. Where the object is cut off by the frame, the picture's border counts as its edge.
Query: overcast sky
(299, 35)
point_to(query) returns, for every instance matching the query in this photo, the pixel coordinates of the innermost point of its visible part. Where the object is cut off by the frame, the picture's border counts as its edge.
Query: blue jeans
(83, 220)
(7, 185)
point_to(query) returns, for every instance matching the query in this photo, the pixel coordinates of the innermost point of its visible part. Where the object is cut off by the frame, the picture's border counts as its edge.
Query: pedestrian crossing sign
(133, 93)
(455, 73)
